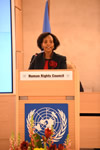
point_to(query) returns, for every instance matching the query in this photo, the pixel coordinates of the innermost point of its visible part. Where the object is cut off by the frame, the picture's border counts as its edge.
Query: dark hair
(43, 35)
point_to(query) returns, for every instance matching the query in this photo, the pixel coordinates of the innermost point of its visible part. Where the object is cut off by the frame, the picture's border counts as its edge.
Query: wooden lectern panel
(46, 87)
(56, 101)
(49, 92)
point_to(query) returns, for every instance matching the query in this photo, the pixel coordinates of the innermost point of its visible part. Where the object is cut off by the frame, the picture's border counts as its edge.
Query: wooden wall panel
(90, 125)
(18, 29)
(7, 119)
(90, 102)
(4, 144)
(18, 35)
(18, 4)
(19, 60)
(90, 132)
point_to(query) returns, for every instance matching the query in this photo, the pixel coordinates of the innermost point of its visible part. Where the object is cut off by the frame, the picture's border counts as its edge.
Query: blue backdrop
(5, 47)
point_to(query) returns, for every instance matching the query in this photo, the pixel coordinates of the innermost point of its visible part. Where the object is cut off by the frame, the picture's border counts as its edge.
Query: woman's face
(48, 44)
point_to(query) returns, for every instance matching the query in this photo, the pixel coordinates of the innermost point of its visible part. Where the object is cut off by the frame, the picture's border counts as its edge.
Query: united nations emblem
(45, 117)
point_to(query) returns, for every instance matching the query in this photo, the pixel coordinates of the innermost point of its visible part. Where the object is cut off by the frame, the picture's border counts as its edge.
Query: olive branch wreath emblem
(63, 125)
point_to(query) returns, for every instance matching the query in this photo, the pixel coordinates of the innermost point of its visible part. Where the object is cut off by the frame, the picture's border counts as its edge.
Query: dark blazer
(38, 61)
(59, 62)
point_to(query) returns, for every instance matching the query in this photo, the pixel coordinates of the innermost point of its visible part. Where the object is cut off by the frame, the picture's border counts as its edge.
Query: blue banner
(46, 115)
(46, 24)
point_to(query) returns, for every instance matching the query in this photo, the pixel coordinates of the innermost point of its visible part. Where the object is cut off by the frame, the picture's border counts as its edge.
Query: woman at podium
(48, 59)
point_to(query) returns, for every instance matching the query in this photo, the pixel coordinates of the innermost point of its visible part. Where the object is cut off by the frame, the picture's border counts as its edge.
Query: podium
(49, 87)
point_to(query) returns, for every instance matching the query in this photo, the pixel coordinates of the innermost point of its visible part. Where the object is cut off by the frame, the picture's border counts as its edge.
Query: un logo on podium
(46, 115)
